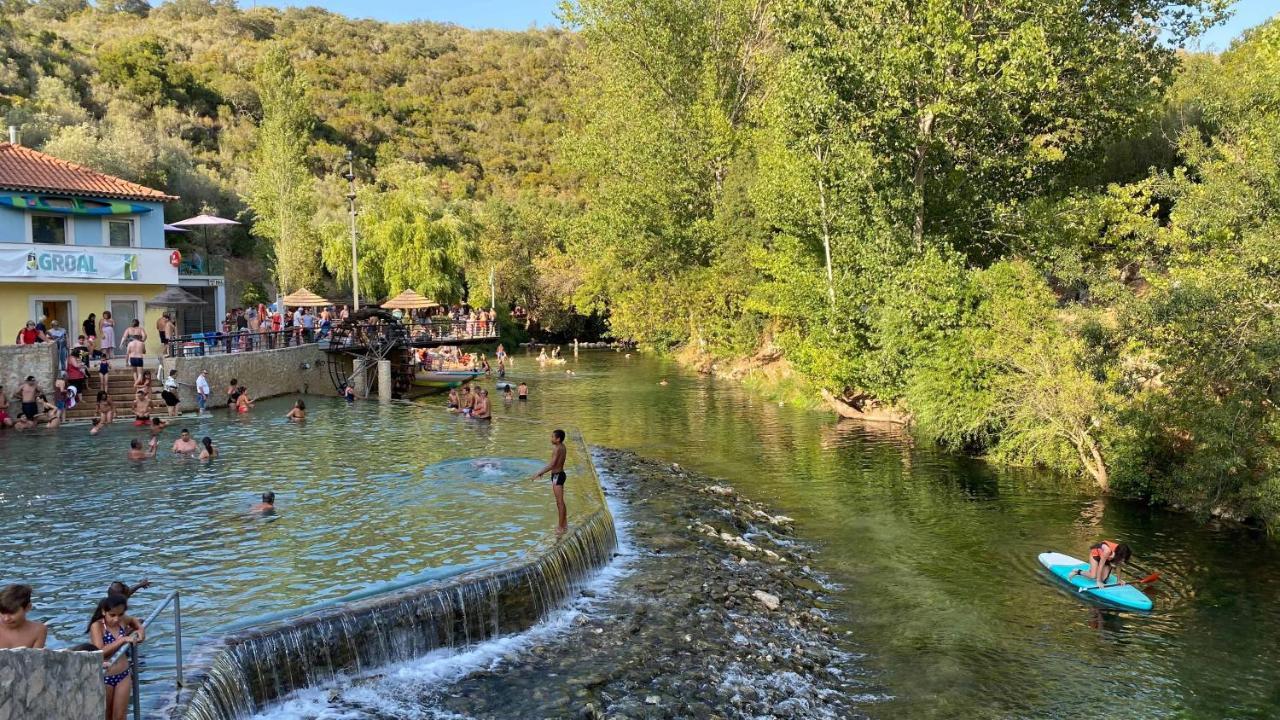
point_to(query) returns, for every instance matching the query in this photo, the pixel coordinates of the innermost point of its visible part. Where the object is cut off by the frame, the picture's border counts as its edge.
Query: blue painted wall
(88, 231)
(13, 226)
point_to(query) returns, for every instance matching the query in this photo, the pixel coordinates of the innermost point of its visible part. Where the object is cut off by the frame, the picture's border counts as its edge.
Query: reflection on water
(936, 556)
(369, 497)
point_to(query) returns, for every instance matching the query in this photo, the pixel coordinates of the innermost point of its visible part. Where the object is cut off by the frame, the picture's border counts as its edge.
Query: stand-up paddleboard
(1125, 596)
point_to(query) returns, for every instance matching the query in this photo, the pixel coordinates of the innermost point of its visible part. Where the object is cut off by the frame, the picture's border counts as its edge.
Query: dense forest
(248, 114)
(1037, 226)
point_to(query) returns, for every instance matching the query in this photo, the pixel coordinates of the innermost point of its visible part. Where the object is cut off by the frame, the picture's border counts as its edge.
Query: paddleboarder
(1104, 558)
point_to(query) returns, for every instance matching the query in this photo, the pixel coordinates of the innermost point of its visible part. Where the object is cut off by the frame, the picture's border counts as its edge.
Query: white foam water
(402, 691)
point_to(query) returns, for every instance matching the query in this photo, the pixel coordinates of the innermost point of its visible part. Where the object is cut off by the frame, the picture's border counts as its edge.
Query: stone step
(85, 411)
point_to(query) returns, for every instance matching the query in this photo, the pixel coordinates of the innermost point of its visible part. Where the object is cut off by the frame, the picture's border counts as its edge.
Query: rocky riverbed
(714, 614)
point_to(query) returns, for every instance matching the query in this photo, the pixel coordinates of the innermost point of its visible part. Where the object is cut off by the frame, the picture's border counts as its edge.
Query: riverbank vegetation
(1047, 234)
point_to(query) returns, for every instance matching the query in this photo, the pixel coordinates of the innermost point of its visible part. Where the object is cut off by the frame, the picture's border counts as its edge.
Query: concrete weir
(245, 672)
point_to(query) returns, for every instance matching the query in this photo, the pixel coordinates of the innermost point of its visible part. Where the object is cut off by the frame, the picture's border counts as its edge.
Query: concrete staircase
(120, 390)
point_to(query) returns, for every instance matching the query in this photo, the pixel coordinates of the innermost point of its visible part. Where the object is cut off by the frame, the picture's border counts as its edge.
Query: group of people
(110, 629)
(267, 328)
(96, 346)
(474, 402)
(38, 407)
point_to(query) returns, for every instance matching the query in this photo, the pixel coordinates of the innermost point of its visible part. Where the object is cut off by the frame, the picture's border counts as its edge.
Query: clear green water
(369, 497)
(936, 557)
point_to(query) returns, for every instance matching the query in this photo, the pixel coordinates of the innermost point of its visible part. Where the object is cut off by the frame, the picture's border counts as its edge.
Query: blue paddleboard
(1125, 596)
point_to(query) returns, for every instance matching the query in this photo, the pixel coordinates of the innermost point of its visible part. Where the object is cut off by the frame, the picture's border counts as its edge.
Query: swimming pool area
(371, 498)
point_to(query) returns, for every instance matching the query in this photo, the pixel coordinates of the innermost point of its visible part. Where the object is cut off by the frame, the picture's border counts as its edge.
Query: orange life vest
(1096, 550)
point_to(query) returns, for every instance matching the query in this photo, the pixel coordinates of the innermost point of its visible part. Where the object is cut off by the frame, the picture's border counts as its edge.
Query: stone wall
(51, 684)
(265, 373)
(19, 361)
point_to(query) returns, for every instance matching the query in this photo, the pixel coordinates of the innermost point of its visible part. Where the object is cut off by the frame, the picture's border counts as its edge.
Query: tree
(411, 236)
(280, 187)
(140, 8)
(666, 93)
(970, 105)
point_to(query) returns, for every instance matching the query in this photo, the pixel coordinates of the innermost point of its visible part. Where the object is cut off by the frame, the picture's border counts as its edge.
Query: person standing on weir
(556, 468)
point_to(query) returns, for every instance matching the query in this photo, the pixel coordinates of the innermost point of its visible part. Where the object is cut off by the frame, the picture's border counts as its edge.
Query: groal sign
(61, 264)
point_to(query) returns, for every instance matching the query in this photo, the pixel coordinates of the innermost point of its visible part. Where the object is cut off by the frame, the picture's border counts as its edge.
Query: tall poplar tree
(281, 193)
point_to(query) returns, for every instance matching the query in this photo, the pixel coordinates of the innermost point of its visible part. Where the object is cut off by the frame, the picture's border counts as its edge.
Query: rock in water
(771, 602)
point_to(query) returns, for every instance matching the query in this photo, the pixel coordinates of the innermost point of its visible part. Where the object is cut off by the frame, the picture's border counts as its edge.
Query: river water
(935, 555)
(370, 498)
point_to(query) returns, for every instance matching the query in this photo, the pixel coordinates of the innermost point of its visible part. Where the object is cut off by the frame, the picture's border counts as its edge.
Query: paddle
(1148, 579)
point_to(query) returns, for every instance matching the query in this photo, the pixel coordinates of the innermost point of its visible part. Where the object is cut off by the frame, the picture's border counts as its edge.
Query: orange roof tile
(24, 169)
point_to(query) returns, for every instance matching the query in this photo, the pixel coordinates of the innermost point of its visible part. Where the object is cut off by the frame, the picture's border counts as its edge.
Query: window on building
(49, 229)
(120, 233)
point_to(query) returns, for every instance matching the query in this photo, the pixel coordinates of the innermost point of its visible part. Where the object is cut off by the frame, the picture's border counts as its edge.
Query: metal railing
(435, 330)
(176, 599)
(236, 341)
(339, 336)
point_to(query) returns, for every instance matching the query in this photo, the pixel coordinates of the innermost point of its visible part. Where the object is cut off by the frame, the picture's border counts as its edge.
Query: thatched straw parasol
(304, 298)
(408, 300)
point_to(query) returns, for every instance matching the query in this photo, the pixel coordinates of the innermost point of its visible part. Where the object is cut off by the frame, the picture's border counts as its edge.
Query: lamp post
(351, 210)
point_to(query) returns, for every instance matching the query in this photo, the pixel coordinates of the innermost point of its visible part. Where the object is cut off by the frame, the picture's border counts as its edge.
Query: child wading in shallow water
(109, 630)
(16, 631)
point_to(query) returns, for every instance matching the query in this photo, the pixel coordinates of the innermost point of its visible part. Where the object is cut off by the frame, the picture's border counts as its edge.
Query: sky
(521, 14)
(502, 14)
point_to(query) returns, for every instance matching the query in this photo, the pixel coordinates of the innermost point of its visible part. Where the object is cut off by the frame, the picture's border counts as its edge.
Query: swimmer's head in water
(207, 442)
(134, 444)
(269, 498)
(157, 422)
(186, 434)
(300, 405)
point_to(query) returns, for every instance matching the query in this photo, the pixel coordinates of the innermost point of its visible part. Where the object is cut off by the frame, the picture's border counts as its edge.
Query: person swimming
(267, 506)
(136, 453)
(298, 413)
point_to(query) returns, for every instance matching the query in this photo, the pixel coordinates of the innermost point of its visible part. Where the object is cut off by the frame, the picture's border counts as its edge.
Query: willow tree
(413, 235)
(281, 192)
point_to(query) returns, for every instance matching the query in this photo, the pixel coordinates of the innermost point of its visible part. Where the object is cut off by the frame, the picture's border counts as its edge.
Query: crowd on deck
(259, 327)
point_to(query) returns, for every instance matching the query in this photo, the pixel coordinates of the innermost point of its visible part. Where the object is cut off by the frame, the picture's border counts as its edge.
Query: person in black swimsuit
(556, 468)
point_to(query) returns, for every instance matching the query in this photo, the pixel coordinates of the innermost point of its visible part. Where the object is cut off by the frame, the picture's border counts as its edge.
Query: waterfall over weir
(248, 670)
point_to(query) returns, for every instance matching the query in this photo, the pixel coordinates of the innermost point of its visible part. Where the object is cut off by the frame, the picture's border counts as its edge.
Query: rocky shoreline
(716, 614)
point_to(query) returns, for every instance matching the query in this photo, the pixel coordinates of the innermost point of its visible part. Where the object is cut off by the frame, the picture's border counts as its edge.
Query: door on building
(124, 312)
(59, 310)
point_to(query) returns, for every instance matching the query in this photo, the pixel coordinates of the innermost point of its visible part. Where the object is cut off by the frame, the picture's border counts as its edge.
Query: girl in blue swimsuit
(109, 630)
